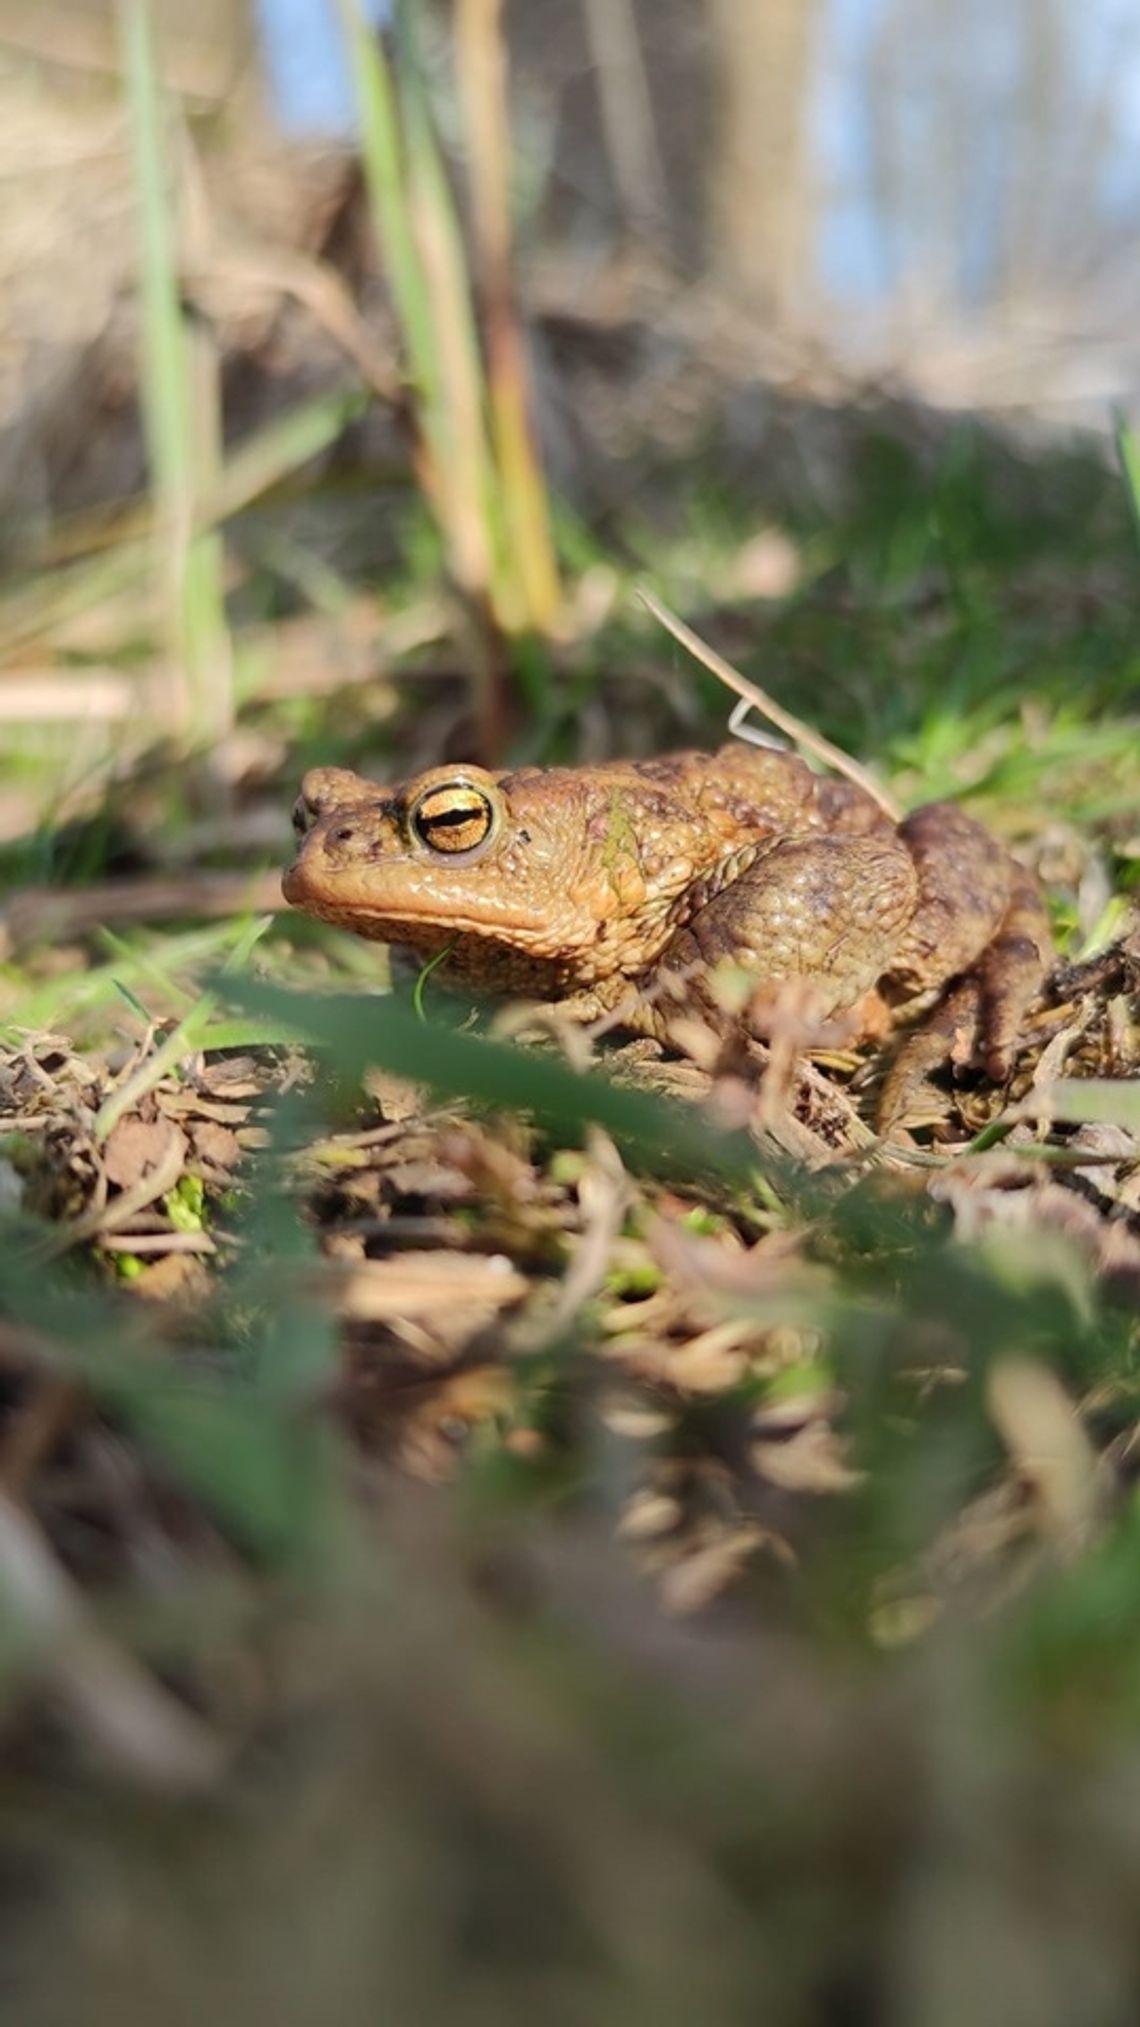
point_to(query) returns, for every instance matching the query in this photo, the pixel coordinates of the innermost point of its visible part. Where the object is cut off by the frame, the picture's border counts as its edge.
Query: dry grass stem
(803, 735)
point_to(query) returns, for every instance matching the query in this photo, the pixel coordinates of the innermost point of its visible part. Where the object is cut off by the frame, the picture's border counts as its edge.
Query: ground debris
(496, 1294)
(108, 1174)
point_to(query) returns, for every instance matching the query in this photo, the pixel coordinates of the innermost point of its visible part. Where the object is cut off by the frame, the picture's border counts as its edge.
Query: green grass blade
(29, 612)
(457, 426)
(184, 1040)
(239, 1444)
(1128, 453)
(422, 245)
(65, 1001)
(359, 1032)
(164, 366)
(180, 401)
(526, 543)
(382, 156)
(1096, 1101)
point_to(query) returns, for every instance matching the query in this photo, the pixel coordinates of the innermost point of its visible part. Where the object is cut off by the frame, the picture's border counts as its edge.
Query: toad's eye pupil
(452, 819)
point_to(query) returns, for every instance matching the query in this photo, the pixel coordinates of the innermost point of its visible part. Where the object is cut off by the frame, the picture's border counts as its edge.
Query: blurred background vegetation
(356, 365)
(766, 259)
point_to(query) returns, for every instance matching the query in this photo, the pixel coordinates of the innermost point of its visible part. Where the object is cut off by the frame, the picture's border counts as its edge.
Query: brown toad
(602, 886)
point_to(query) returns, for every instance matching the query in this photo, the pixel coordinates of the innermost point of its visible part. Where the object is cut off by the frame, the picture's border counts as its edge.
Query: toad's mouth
(347, 899)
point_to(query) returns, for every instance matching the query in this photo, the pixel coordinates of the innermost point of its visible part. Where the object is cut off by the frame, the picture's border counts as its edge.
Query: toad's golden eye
(452, 817)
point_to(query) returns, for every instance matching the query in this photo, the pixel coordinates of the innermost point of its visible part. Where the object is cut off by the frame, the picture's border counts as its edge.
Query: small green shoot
(422, 977)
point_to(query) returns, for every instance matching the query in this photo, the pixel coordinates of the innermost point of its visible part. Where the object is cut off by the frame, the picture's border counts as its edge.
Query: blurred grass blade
(1095, 1101)
(421, 244)
(76, 995)
(424, 331)
(470, 509)
(32, 611)
(478, 463)
(245, 1447)
(363, 1032)
(180, 405)
(270, 1476)
(1128, 453)
(382, 156)
(282, 447)
(457, 427)
(482, 66)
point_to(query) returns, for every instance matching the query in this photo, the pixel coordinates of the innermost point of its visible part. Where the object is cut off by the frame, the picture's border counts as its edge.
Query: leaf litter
(500, 1295)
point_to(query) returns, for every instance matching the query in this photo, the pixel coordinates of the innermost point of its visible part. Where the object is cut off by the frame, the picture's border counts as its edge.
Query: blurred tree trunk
(626, 108)
(761, 193)
(1039, 134)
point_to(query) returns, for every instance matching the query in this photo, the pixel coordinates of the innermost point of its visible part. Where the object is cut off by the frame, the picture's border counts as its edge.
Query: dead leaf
(813, 1460)
(174, 1278)
(647, 1515)
(216, 1147)
(1040, 1428)
(428, 1287)
(136, 1146)
(694, 1582)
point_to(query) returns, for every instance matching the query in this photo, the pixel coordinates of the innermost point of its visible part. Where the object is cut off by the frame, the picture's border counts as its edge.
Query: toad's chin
(293, 884)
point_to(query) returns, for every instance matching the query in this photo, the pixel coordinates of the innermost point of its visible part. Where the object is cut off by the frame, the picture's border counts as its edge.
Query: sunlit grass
(149, 974)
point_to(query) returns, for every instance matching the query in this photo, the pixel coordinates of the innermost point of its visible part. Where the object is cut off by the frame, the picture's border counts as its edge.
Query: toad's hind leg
(981, 929)
(1012, 970)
